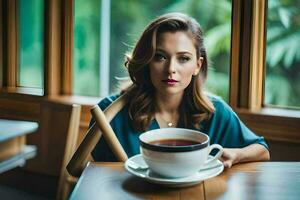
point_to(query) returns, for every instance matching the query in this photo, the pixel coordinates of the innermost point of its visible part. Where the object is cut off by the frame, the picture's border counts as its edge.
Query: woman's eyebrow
(180, 52)
(184, 52)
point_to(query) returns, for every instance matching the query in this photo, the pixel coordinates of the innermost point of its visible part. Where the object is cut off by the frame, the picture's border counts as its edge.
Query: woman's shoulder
(106, 101)
(221, 107)
(216, 100)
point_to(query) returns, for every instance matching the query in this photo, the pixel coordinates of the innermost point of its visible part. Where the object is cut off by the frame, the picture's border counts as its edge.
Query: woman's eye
(184, 59)
(159, 57)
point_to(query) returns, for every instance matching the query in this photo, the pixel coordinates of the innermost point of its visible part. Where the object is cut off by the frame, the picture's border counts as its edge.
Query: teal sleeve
(225, 128)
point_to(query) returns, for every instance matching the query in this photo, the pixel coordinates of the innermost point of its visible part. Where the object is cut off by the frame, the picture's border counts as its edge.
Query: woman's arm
(253, 152)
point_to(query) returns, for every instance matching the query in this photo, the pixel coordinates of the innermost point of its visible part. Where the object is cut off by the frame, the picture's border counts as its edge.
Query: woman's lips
(169, 82)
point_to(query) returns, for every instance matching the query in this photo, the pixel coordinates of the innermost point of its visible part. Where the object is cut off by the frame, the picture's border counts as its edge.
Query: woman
(168, 68)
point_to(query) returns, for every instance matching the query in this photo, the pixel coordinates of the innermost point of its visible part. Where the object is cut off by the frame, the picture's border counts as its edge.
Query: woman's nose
(172, 66)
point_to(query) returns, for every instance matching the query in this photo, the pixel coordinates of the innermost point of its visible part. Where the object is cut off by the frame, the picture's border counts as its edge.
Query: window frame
(58, 46)
(247, 76)
(247, 65)
(10, 43)
(1, 43)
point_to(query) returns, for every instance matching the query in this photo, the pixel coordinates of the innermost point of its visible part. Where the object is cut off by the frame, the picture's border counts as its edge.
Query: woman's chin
(170, 91)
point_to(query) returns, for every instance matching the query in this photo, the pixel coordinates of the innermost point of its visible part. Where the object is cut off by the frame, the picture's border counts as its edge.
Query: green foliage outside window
(283, 53)
(31, 38)
(86, 47)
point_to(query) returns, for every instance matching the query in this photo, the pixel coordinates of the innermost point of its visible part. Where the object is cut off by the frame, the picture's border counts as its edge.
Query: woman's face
(174, 63)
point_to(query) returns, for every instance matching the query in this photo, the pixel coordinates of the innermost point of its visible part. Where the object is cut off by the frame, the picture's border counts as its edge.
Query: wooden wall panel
(284, 151)
(281, 133)
(20, 108)
(272, 127)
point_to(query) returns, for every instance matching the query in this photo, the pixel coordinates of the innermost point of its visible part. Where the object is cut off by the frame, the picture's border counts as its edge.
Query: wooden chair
(80, 158)
(66, 181)
(59, 130)
(76, 160)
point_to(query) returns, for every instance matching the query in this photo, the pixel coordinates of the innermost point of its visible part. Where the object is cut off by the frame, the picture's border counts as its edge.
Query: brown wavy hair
(195, 106)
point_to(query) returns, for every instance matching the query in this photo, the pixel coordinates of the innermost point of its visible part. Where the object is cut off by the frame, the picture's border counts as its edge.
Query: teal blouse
(224, 128)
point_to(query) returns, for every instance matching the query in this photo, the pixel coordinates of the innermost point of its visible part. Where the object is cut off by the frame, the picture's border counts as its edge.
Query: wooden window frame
(247, 75)
(10, 56)
(58, 45)
(247, 72)
(1, 42)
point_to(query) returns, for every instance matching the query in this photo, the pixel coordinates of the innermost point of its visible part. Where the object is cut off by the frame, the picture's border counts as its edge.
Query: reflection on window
(127, 21)
(31, 43)
(282, 87)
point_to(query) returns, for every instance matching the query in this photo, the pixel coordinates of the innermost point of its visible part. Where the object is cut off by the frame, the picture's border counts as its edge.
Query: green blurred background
(128, 19)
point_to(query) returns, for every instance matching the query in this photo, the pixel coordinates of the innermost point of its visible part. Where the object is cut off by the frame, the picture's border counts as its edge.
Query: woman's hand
(253, 152)
(230, 156)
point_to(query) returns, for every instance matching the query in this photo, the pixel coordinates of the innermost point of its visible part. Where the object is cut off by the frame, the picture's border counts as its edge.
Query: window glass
(31, 42)
(86, 47)
(127, 21)
(282, 86)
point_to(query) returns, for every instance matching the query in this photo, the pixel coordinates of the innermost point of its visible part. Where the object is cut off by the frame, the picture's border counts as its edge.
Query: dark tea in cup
(174, 142)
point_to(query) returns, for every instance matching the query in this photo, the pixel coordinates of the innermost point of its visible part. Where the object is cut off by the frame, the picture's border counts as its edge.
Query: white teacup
(176, 160)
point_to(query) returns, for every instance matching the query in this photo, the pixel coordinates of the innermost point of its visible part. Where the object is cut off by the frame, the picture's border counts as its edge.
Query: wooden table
(257, 180)
(13, 149)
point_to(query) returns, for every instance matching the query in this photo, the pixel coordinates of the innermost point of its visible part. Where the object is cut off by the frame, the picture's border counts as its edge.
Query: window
(125, 21)
(31, 43)
(282, 86)
(86, 47)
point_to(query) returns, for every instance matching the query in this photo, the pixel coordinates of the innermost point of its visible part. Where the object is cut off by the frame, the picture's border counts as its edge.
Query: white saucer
(198, 177)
